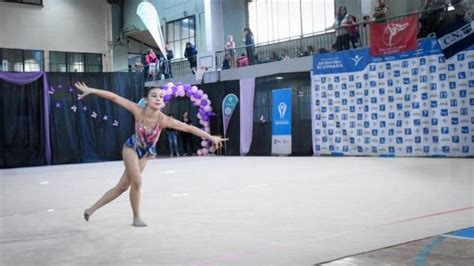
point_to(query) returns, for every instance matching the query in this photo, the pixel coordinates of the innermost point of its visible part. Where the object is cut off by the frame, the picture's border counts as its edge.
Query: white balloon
(194, 88)
(205, 151)
(204, 97)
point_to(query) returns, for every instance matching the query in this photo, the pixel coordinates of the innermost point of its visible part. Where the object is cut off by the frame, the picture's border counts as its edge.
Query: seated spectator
(242, 61)
(284, 55)
(273, 57)
(323, 50)
(227, 62)
(299, 52)
(309, 50)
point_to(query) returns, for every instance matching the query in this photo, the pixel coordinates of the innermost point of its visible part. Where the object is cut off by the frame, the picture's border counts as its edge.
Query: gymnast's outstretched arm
(125, 103)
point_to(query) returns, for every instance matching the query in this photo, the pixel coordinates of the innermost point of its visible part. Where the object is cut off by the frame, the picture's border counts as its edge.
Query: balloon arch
(201, 101)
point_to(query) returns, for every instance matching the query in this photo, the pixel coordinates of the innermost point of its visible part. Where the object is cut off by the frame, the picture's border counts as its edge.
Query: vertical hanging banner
(393, 37)
(149, 16)
(228, 106)
(281, 121)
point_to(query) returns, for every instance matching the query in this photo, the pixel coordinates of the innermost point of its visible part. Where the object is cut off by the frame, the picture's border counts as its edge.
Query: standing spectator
(380, 11)
(167, 65)
(230, 50)
(342, 35)
(191, 54)
(353, 30)
(186, 138)
(150, 64)
(242, 61)
(172, 140)
(249, 44)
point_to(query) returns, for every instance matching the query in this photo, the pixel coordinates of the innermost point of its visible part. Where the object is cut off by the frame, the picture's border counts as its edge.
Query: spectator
(299, 52)
(284, 55)
(309, 51)
(353, 30)
(273, 57)
(242, 61)
(186, 138)
(431, 17)
(169, 56)
(226, 63)
(249, 45)
(342, 35)
(191, 54)
(322, 50)
(172, 140)
(138, 65)
(230, 49)
(380, 11)
(150, 64)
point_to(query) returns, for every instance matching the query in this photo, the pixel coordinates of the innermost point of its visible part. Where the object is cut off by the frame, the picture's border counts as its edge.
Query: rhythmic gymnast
(140, 147)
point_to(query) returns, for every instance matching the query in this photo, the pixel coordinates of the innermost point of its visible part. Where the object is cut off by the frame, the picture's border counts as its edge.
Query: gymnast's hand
(217, 141)
(84, 89)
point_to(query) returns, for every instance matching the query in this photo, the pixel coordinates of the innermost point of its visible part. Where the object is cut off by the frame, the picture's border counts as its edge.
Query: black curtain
(300, 83)
(88, 134)
(22, 125)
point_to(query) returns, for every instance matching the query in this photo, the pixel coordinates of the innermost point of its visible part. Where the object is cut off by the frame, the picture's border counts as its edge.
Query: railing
(27, 2)
(318, 42)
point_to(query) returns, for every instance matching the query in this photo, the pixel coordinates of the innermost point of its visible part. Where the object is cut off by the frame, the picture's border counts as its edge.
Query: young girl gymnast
(140, 147)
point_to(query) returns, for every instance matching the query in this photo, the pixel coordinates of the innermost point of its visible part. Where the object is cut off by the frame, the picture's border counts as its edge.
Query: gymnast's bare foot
(87, 214)
(137, 222)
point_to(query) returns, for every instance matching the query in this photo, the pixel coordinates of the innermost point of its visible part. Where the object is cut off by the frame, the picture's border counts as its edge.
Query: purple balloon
(167, 98)
(197, 96)
(187, 87)
(188, 93)
(204, 103)
(174, 89)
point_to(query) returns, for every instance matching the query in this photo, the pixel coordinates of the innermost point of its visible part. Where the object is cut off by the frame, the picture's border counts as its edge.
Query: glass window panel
(283, 21)
(75, 62)
(185, 28)
(170, 32)
(33, 60)
(307, 15)
(177, 32)
(182, 32)
(14, 60)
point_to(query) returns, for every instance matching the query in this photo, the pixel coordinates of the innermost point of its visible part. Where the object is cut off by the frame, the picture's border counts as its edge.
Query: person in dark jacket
(249, 45)
(191, 54)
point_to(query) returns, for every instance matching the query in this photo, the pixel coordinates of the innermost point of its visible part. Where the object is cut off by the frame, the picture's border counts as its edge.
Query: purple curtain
(22, 78)
(247, 91)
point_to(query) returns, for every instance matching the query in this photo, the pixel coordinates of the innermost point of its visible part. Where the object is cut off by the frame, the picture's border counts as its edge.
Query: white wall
(60, 25)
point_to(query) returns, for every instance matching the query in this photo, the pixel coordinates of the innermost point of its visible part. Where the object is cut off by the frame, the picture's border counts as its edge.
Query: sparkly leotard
(144, 141)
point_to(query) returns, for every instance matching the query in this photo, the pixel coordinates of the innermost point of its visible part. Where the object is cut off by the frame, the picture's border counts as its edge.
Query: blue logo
(452, 85)
(372, 83)
(471, 101)
(423, 79)
(338, 139)
(399, 106)
(331, 117)
(324, 109)
(409, 149)
(396, 73)
(465, 149)
(366, 92)
(445, 149)
(463, 111)
(406, 114)
(336, 94)
(330, 132)
(422, 61)
(374, 116)
(434, 104)
(382, 107)
(352, 124)
(318, 147)
(414, 71)
(372, 67)
(426, 149)
(373, 99)
(352, 140)
(352, 109)
(417, 122)
(351, 77)
(391, 132)
(441, 59)
(374, 149)
(451, 67)
(390, 82)
(391, 149)
(426, 130)
(461, 57)
(405, 64)
(324, 124)
(443, 95)
(465, 130)
(399, 123)
(359, 100)
(454, 121)
(407, 131)
(433, 86)
(471, 65)
(351, 93)
(455, 139)
(382, 124)
(471, 83)
(375, 132)
(330, 87)
(388, 66)
(344, 86)
(382, 91)
(454, 103)
(382, 141)
(344, 101)
(366, 124)
(462, 93)
(462, 75)
(434, 121)
(360, 149)
(381, 75)
(391, 99)
(359, 85)
(336, 79)
(359, 116)
(444, 112)
(407, 97)
(417, 140)
(406, 81)
(435, 139)
(317, 131)
(398, 90)
(424, 96)
(391, 115)
(366, 76)
(366, 140)
(399, 140)
(444, 130)
(325, 139)
(442, 77)
(425, 113)
(323, 80)
(432, 69)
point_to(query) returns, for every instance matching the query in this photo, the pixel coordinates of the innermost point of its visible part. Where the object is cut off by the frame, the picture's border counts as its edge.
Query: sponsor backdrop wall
(409, 104)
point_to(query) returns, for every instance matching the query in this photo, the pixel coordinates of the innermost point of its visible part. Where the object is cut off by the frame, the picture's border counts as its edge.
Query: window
(178, 33)
(274, 20)
(28, 2)
(75, 62)
(21, 60)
